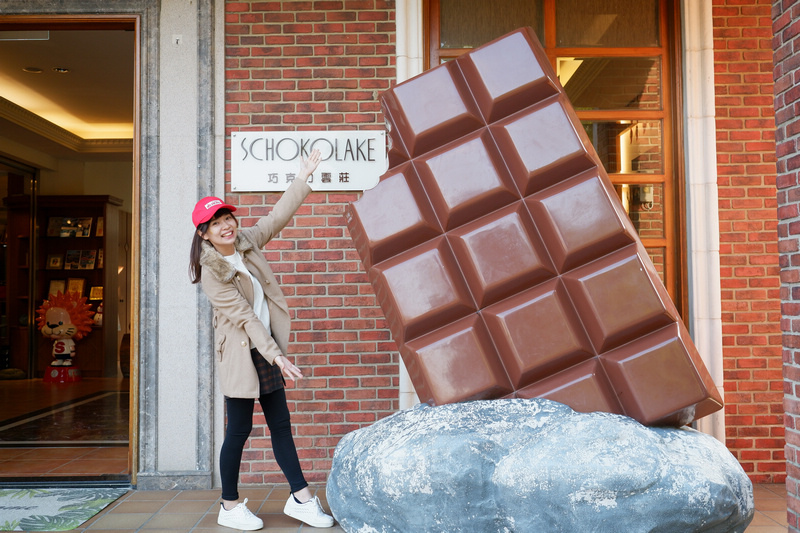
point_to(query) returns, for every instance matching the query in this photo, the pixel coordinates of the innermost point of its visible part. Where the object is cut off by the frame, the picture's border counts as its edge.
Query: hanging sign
(268, 161)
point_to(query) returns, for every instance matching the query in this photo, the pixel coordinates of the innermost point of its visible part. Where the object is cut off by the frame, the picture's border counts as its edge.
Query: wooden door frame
(132, 22)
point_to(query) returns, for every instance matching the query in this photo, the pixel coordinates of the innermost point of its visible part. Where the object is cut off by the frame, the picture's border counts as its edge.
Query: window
(614, 59)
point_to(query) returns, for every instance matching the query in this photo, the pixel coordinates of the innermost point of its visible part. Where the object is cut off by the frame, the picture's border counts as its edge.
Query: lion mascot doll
(65, 318)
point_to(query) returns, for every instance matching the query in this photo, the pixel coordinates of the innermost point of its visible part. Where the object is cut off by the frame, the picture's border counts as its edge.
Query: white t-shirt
(259, 301)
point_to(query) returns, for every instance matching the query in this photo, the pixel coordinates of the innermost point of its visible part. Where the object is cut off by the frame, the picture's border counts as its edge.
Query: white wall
(113, 178)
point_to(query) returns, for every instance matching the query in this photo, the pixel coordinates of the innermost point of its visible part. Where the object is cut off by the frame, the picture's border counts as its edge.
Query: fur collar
(217, 265)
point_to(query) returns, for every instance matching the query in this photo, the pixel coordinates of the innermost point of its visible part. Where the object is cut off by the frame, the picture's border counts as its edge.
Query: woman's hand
(309, 165)
(287, 368)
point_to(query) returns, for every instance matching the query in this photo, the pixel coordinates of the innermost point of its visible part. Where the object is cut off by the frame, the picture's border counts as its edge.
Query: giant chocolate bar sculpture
(503, 259)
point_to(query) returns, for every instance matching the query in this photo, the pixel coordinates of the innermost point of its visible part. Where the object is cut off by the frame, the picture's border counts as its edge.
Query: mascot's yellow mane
(80, 312)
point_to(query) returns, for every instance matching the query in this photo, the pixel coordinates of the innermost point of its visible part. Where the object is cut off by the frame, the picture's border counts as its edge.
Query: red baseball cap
(206, 208)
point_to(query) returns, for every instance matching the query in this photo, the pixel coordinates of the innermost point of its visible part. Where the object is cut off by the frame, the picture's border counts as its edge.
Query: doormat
(52, 509)
(99, 419)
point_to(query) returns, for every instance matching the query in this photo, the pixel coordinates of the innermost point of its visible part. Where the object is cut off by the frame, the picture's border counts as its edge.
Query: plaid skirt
(270, 378)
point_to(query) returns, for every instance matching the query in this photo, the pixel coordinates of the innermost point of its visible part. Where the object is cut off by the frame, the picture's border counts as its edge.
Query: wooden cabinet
(75, 241)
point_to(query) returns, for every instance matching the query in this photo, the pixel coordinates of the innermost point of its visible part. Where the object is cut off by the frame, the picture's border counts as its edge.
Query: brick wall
(786, 27)
(316, 65)
(323, 65)
(748, 236)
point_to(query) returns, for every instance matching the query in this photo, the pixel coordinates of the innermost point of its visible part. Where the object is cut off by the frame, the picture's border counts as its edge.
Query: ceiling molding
(40, 126)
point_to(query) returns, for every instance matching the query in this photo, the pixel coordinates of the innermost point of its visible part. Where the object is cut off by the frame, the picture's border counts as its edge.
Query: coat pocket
(220, 347)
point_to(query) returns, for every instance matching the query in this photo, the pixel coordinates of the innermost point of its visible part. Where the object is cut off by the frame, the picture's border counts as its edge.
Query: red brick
(291, 62)
(743, 61)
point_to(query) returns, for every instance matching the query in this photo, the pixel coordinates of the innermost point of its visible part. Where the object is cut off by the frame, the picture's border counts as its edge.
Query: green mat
(52, 509)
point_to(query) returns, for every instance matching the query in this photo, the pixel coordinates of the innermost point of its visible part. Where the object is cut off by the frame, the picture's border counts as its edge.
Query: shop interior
(66, 189)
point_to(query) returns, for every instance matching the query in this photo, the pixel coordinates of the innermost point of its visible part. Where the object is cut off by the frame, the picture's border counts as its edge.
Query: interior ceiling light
(32, 70)
(60, 70)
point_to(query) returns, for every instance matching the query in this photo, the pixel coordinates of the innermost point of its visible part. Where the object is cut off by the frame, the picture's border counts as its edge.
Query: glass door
(18, 184)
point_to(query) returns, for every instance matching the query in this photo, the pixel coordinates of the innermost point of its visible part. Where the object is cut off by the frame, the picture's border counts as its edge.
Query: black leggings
(240, 423)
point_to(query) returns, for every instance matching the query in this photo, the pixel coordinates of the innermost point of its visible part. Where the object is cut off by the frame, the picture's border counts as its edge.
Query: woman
(251, 332)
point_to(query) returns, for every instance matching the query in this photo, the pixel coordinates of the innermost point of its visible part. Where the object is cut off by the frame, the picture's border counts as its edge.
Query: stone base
(62, 374)
(174, 480)
(534, 465)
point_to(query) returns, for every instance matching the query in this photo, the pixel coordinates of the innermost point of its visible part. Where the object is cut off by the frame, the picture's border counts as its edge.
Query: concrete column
(702, 207)
(177, 399)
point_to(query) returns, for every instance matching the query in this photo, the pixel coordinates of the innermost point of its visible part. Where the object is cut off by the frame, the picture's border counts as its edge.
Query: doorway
(67, 175)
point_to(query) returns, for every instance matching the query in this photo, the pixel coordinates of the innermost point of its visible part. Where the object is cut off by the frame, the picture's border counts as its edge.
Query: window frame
(672, 180)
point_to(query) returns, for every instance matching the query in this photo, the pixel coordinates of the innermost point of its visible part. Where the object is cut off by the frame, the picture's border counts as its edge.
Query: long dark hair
(195, 268)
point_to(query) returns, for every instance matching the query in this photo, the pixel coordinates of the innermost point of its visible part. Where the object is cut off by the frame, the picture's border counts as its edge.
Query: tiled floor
(196, 510)
(63, 461)
(176, 511)
(23, 396)
(770, 509)
(32, 410)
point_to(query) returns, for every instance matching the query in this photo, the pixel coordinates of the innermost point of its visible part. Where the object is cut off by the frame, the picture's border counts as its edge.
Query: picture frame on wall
(76, 285)
(55, 262)
(72, 260)
(56, 286)
(87, 259)
(80, 259)
(96, 293)
(54, 226)
(76, 227)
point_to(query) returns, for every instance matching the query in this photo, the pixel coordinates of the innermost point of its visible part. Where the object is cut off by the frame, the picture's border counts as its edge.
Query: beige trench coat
(231, 295)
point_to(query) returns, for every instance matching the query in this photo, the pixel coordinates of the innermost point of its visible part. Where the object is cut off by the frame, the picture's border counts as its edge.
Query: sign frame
(268, 161)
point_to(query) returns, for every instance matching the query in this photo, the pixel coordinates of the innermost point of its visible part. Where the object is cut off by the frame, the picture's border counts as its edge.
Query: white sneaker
(310, 512)
(239, 517)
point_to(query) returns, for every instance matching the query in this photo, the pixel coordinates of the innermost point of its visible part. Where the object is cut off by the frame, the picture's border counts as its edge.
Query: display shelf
(71, 252)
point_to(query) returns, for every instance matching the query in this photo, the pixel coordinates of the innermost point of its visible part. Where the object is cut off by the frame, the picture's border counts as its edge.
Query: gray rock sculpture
(533, 466)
